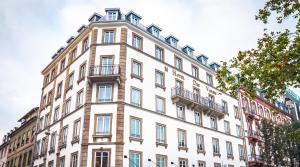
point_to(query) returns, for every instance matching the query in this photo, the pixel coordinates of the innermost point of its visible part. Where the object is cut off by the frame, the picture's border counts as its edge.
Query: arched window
(246, 105)
(253, 107)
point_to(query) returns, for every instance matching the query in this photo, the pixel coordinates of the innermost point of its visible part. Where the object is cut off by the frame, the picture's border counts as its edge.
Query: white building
(120, 94)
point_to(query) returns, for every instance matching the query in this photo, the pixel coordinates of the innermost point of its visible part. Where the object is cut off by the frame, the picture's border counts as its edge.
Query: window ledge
(230, 157)
(62, 146)
(102, 136)
(161, 144)
(183, 148)
(81, 79)
(51, 150)
(242, 158)
(75, 140)
(137, 77)
(217, 155)
(136, 139)
(57, 97)
(160, 86)
(69, 88)
(201, 152)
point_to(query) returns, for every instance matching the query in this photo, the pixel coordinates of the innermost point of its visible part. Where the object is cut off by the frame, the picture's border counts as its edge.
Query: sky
(31, 31)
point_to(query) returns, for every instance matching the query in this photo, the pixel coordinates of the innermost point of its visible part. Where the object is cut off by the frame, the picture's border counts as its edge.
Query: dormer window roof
(172, 40)
(214, 66)
(54, 56)
(112, 14)
(133, 17)
(71, 39)
(154, 30)
(95, 17)
(202, 59)
(188, 50)
(80, 29)
(60, 49)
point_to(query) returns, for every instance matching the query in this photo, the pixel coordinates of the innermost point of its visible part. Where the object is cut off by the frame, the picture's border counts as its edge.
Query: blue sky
(31, 31)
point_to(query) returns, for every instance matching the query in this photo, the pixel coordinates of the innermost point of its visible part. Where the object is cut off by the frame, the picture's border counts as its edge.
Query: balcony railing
(250, 113)
(107, 73)
(254, 135)
(196, 102)
(255, 160)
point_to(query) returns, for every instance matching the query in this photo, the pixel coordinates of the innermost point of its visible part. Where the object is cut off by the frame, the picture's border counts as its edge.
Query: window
(160, 104)
(160, 133)
(79, 99)
(201, 164)
(82, 72)
(102, 159)
(44, 102)
(136, 97)
(46, 121)
(109, 36)
(217, 165)
(37, 147)
(112, 15)
(136, 69)
(62, 162)
(137, 42)
(179, 85)
(180, 112)
(183, 162)
(59, 90)
(161, 160)
(229, 149)
(44, 146)
(41, 123)
(74, 159)
(53, 141)
(103, 124)
(211, 101)
(198, 118)
(67, 107)
(182, 138)
(29, 157)
(195, 71)
(50, 94)
(159, 79)
(56, 114)
(216, 147)
(135, 127)
(62, 64)
(70, 80)
(73, 55)
(200, 142)
(159, 53)
(241, 152)
(209, 79)
(76, 129)
(236, 112)
(178, 63)
(64, 135)
(46, 80)
(213, 123)
(105, 93)
(135, 159)
(226, 127)
(196, 94)
(224, 106)
(85, 44)
(53, 74)
(238, 130)
(51, 164)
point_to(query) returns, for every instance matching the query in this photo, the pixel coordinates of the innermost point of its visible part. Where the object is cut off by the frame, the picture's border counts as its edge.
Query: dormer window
(215, 66)
(133, 18)
(172, 41)
(188, 50)
(154, 30)
(112, 15)
(202, 59)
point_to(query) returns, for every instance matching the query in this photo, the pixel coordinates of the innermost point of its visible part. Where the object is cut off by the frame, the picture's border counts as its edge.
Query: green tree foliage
(279, 148)
(274, 64)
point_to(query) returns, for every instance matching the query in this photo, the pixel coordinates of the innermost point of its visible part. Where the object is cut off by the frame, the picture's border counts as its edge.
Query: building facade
(254, 110)
(4, 151)
(21, 141)
(120, 94)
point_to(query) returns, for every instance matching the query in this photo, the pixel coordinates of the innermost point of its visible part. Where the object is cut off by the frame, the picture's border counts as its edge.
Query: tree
(274, 64)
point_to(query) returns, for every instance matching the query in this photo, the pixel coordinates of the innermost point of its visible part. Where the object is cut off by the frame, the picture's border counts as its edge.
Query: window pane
(136, 97)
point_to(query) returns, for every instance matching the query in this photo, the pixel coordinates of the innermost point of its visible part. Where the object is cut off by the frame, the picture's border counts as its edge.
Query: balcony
(254, 136)
(196, 102)
(104, 73)
(255, 161)
(250, 114)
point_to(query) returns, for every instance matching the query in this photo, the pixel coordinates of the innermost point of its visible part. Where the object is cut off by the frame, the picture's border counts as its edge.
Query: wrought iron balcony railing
(106, 73)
